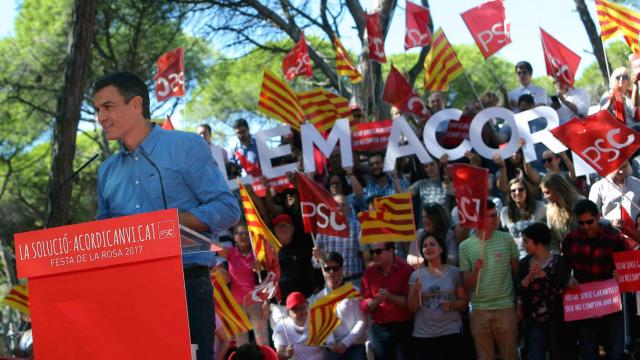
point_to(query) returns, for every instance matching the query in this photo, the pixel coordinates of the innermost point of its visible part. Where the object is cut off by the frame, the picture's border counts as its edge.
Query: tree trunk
(68, 111)
(594, 38)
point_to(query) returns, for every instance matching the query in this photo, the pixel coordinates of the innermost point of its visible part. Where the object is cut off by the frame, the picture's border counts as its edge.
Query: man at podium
(158, 169)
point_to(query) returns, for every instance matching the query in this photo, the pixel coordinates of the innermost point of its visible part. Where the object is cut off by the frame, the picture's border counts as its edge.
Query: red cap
(294, 299)
(281, 219)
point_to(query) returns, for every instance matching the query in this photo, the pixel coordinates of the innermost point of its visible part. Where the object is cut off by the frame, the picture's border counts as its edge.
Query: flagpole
(473, 88)
(606, 61)
(623, 194)
(255, 258)
(483, 244)
(373, 84)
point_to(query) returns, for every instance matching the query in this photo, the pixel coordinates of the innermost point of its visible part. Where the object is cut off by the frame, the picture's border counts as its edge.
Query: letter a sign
(489, 26)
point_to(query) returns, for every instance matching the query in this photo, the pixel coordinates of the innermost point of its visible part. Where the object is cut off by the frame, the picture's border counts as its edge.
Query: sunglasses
(516, 190)
(242, 233)
(376, 251)
(622, 77)
(547, 160)
(330, 269)
(587, 222)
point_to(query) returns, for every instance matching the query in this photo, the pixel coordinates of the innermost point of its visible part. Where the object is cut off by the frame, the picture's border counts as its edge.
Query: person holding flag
(524, 70)
(291, 333)
(572, 102)
(622, 97)
(245, 151)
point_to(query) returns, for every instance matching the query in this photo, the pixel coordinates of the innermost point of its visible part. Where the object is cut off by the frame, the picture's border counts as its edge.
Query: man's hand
(317, 253)
(339, 348)
(189, 220)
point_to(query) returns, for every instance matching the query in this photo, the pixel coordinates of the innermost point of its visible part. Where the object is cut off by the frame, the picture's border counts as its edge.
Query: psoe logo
(166, 229)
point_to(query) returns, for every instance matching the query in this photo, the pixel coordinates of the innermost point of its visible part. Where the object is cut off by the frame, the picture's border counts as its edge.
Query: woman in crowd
(521, 211)
(241, 265)
(542, 277)
(561, 198)
(622, 97)
(516, 167)
(436, 221)
(432, 189)
(551, 163)
(347, 340)
(437, 296)
(291, 333)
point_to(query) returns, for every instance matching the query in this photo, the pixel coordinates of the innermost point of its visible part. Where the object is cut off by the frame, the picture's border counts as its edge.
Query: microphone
(54, 203)
(164, 198)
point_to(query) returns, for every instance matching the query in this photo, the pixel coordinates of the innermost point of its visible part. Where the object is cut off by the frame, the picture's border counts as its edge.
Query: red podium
(108, 289)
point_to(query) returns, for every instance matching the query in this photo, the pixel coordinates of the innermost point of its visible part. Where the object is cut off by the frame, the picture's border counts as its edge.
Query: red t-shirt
(396, 282)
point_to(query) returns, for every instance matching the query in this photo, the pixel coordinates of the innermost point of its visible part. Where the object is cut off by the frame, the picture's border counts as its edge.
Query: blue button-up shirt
(128, 183)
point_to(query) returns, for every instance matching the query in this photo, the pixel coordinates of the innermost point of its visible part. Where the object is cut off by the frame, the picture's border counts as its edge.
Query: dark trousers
(439, 347)
(609, 328)
(542, 338)
(202, 323)
(353, 352)
(392, 340)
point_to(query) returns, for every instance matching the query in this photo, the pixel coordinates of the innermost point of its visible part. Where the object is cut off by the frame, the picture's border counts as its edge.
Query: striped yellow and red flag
(260, 234)
(279, 101)
(18, 298)
(322, 108)
(441, 64)
(391, 220)
(234, 320)
(615, 20)
(322, 314)
(344, 65)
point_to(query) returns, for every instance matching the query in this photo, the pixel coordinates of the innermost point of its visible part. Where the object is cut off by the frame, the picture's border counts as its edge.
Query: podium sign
(108, 289)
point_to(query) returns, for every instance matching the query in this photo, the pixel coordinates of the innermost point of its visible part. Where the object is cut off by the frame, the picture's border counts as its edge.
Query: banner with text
(373, 136)
(591, 299)
(628, 268)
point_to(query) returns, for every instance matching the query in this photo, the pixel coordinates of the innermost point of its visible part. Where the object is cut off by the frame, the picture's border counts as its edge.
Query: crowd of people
(454, 292)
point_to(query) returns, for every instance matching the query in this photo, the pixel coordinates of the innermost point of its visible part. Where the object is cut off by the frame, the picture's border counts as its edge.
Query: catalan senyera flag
(441, 64)
(322, 108)
(260, 234)
(279, 101)
(391, 220)
(322, 314)
(18, 298)
(234, 320)
(344, 65)
(615, 20)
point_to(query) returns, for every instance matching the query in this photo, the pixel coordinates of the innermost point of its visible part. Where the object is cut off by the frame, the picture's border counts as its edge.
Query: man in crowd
(588, 252)
(524, 70)
(488, 262)
(143, 176)
(571, 102)
(379, 183)
(246, 146)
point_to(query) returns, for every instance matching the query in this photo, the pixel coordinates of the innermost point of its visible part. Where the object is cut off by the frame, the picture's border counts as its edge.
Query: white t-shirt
(539, 95)
(580, 99)
(298, 336)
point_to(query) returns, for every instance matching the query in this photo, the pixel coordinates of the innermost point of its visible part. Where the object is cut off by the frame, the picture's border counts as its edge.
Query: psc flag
(417, 23)
(252, 169)
(615, 20)
(279, 101)
(600, 140)
(344, 66)
(234, 320)
(561, 62)
(260, 235)
(322, 108)
(628, 226)
(170, 76)
(471, 186)
(489, 26)
(399, 93)
(322, 314)
(18, 298)
(320, 212)
(375, 38)
(167, 125)
(297, 61)
(441, 65)
(391, 220)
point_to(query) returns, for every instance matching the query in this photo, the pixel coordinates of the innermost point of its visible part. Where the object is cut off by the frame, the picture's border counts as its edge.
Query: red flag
(418, 33)
(399, 93)
(562, 63)
(489, 27)
(168, 125)
(372, 136)
(170, 76)
(628, 227)
(252, 169)
(471, 186)
(320, 212)
(375, 38)
(297, 61)
(600, 140)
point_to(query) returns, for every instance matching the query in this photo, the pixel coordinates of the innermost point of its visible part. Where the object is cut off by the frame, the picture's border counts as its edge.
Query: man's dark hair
(248, 352)
(538, 232)
(389, 245)
(240, 123)
(335, 257)
(524, 65)
(585, 206)
(206, 126)
(129, 85)
(490, 205)
(526, 98)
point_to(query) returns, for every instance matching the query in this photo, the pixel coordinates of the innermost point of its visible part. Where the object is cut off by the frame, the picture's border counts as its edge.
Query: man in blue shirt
(157, 169)
(246, 145)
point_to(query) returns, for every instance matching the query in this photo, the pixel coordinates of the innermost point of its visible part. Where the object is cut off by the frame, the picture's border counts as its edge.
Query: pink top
(241, 272)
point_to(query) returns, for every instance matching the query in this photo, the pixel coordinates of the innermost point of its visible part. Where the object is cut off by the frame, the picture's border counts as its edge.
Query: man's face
(116, 116)
(381, 256)
(524, 76)
(332, 272)
(284, 232)
(620, 175)
(202, 131)
(436, 102)
(376, 165)
(491, 220)
(342, 201)
(242, 133)
(589, 224)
